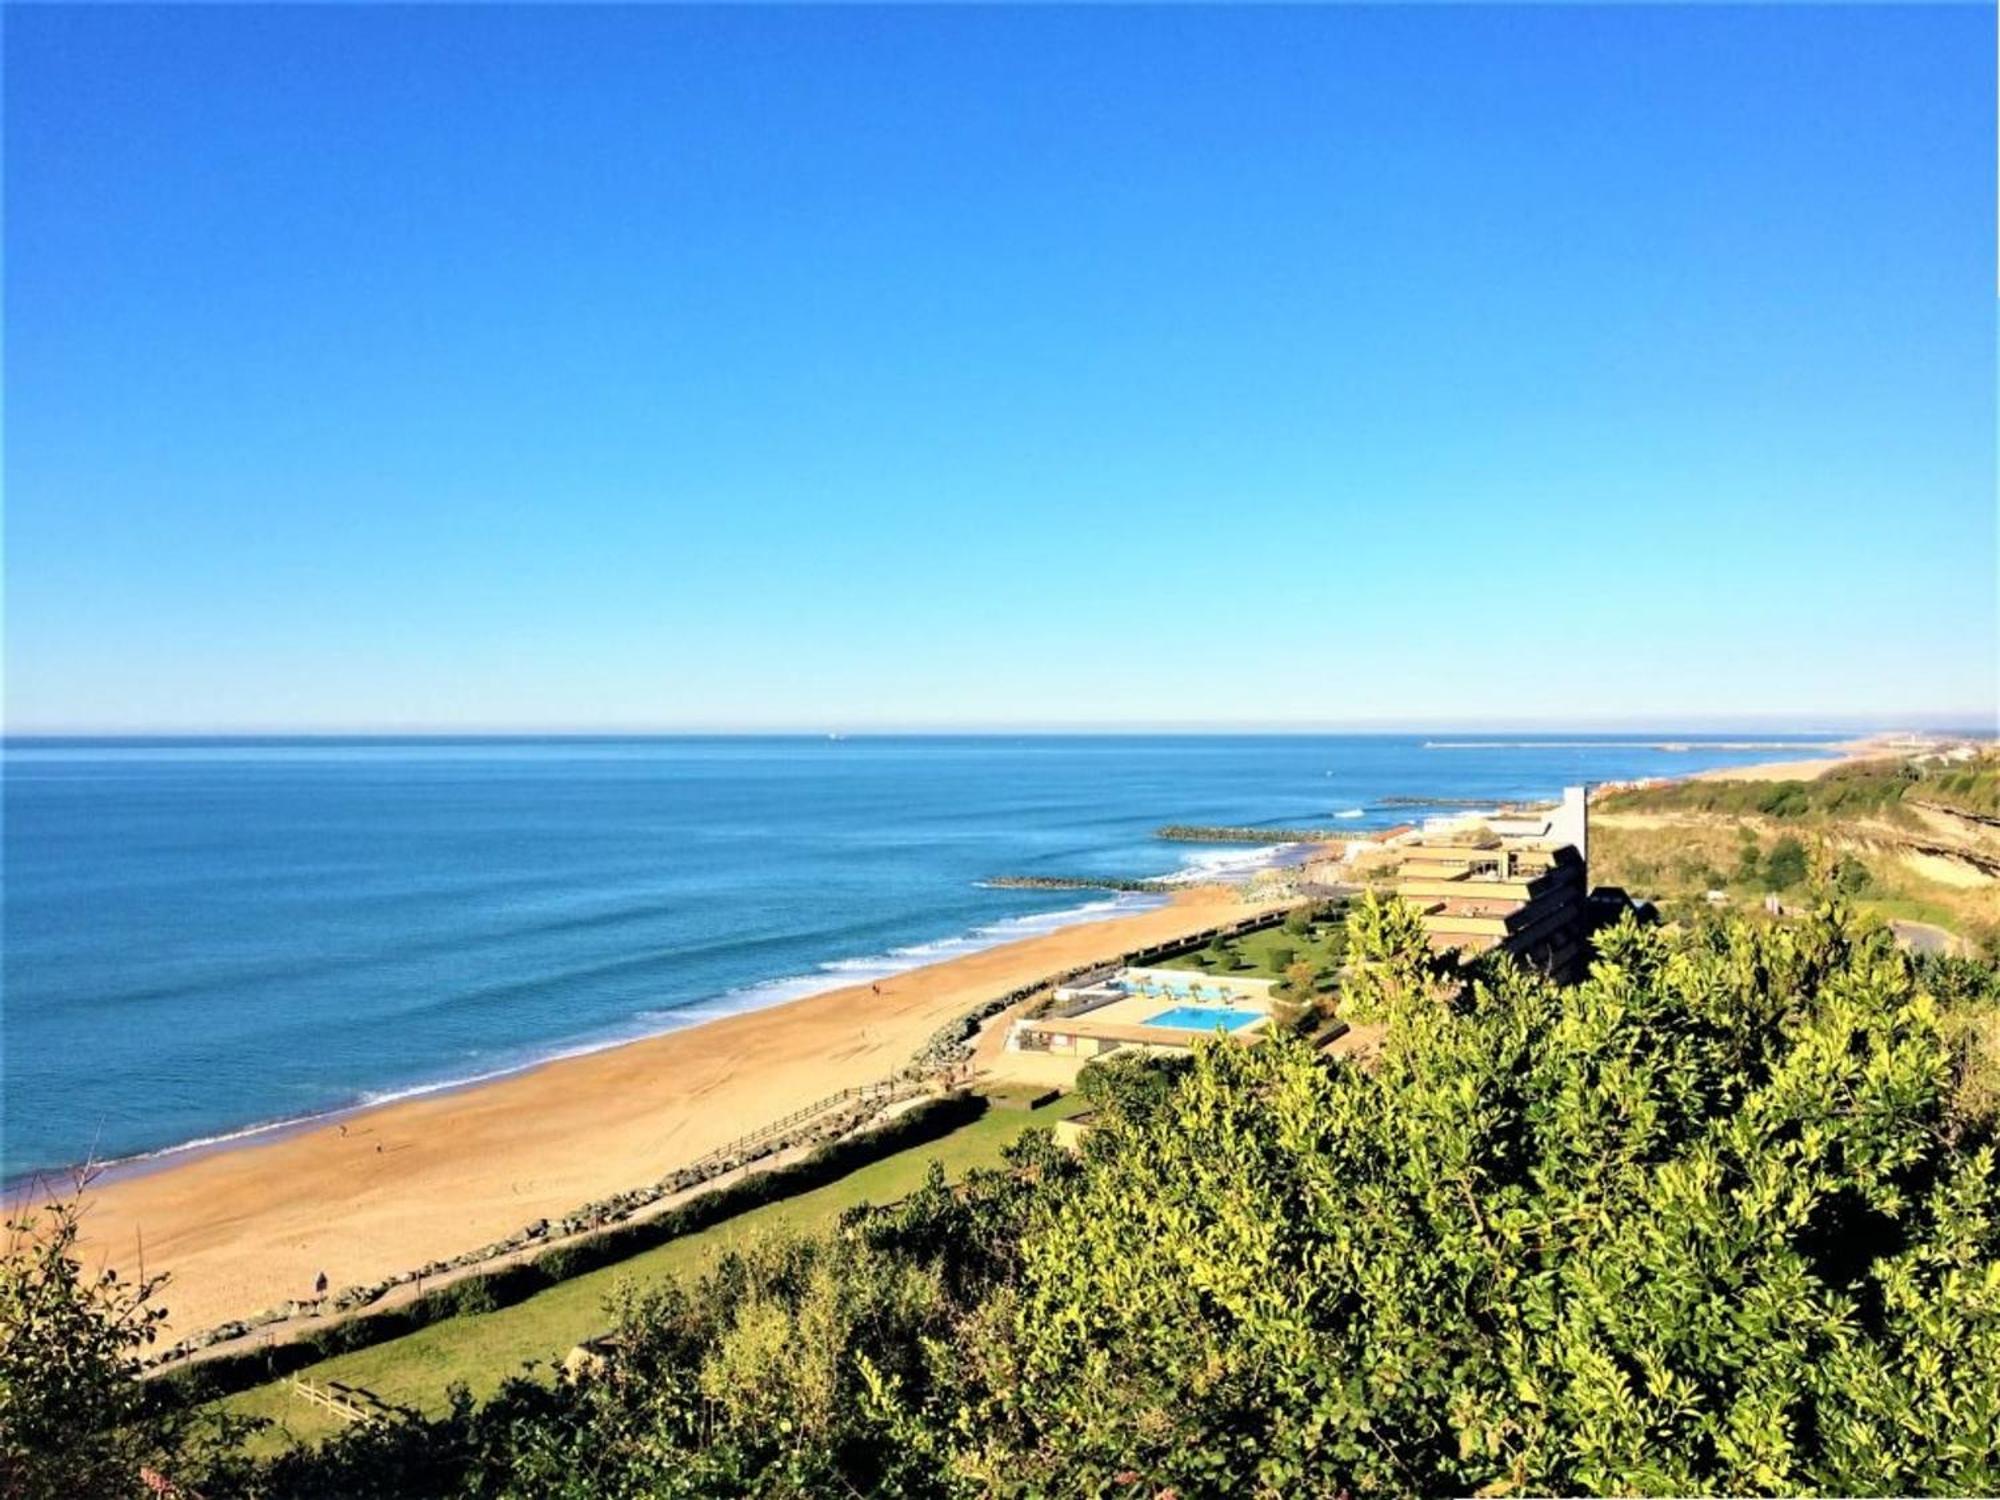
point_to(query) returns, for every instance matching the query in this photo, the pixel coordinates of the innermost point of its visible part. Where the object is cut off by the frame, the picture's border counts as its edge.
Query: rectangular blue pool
(1201, 1018)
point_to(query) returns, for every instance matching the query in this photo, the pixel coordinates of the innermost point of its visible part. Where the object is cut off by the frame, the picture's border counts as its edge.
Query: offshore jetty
(1198, 833)
(1076, 883)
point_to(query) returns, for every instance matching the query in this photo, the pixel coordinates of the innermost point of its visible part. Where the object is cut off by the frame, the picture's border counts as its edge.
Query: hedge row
(489, 1291)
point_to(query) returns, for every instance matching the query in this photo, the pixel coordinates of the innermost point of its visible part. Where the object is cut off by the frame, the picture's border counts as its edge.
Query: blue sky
(743, 367)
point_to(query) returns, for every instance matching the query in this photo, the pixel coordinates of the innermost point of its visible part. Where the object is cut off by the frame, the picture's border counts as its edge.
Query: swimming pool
(1201, 1018)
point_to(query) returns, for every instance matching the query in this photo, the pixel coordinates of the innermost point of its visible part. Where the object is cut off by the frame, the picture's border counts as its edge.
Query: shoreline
(1843, 753)
(246, 1223)
(35, 1183)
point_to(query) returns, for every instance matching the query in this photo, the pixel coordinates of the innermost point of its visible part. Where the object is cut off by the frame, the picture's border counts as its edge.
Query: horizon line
(1801, 726)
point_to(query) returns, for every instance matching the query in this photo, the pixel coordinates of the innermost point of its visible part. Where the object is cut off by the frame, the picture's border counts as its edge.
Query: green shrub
(1749, 861)
(1785, 865)
(561, 1263)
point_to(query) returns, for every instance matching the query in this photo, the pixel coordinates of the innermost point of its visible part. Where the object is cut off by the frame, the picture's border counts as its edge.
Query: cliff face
(1968, 841)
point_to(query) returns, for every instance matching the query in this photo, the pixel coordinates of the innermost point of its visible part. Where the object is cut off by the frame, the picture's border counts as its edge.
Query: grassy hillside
(1902, 841)
(1869, 788)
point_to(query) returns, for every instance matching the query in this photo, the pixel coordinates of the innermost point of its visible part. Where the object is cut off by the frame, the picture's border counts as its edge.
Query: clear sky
(747, 367)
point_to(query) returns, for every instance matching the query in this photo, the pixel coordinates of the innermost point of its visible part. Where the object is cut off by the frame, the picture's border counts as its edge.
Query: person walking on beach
(319, 1285)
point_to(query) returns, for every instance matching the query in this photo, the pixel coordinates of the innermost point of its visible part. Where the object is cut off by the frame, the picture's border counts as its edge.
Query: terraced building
(1519, 882)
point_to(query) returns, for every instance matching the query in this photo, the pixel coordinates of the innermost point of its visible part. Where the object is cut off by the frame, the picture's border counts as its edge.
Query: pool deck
(1129, 1019)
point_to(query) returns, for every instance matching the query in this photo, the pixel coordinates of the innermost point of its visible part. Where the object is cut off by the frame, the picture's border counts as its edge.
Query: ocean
(203, 937)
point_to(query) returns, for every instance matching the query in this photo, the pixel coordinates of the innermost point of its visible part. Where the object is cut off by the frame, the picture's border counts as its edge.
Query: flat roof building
(1518, 882)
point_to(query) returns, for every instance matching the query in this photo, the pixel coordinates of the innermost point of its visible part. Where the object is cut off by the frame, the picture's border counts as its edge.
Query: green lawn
(1253, 951)
(482, 1350)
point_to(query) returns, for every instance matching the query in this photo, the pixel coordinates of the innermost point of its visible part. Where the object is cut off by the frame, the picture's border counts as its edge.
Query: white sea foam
(1352, 812)
(1231, 864)
(838, 973)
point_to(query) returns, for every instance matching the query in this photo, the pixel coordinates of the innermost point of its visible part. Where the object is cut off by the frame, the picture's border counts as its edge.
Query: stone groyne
(1200, 833)
(1079, 883)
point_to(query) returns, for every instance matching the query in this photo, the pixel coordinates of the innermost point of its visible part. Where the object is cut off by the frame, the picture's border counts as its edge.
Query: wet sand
(387, 1189)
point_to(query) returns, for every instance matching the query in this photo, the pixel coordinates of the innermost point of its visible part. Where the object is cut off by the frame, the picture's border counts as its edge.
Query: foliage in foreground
(1713, 1220)
(73, 1416)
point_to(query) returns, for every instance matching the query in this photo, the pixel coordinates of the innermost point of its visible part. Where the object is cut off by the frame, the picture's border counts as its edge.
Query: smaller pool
(1201, 1018)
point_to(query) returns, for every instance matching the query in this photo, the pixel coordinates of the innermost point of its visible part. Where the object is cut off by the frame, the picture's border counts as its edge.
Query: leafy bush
(74, 1419)
(1785, 865)
(1693, 1226)
(1749, 860)
(1130, 1085)
(1715, 1220)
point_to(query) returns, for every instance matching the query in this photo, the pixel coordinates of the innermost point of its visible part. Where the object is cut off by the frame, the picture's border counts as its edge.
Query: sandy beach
(1846, 753)
(390, 1188)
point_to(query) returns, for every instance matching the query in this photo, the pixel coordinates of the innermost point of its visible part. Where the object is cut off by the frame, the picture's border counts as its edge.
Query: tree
(1692, 1226)
(1281, 956)
(1298, 921)
(1295, 1003)
(74, 1419)
(1394, 967)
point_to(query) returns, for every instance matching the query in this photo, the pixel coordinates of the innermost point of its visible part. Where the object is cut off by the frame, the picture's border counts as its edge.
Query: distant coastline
(310, 900)
(1676, 747)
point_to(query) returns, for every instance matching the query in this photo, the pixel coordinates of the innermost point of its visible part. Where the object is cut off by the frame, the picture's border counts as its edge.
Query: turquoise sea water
(202, 937)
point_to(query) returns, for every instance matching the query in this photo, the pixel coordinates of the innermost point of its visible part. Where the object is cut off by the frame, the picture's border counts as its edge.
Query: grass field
(482, 1350)
(1254, 951)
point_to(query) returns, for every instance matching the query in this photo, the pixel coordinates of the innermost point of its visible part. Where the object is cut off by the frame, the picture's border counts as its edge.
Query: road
(1922, 937)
